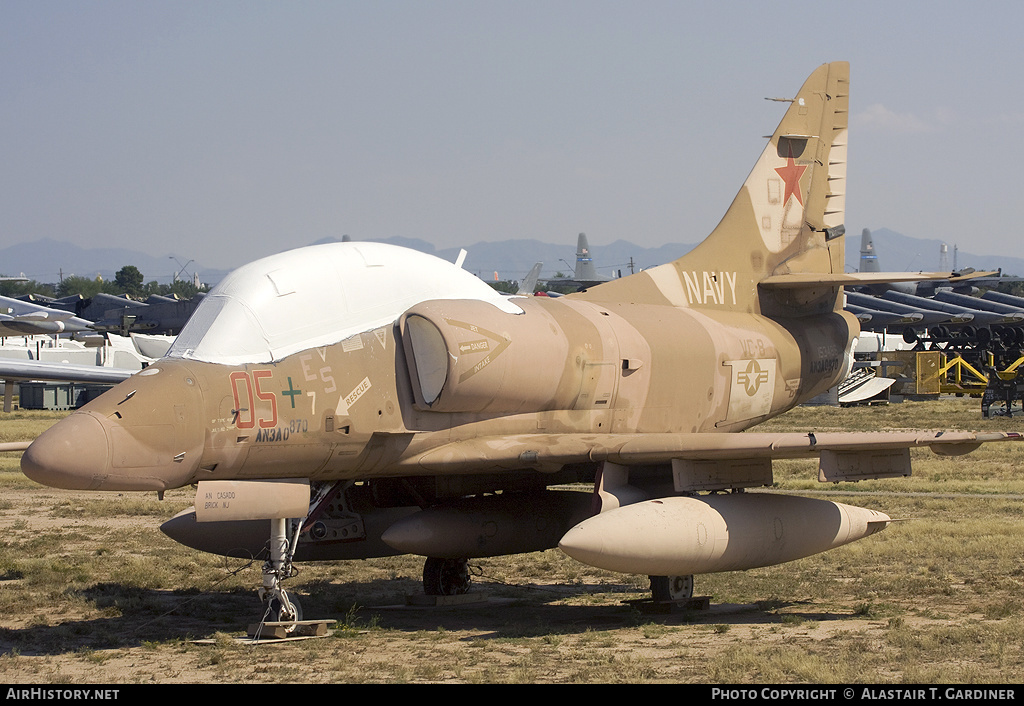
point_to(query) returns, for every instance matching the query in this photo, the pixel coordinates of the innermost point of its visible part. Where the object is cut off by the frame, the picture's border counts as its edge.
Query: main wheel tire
(445, 577)
(672, 588)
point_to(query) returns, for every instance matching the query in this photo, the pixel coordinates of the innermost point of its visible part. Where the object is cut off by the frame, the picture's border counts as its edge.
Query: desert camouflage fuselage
(370, 363)
(695, 346)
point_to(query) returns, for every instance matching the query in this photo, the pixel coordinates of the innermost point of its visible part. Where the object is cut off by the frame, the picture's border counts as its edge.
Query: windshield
(316, 296)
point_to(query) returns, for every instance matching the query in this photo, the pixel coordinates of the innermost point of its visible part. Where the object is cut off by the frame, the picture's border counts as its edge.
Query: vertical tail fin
(786, 219)
(868, 256)
(585, 270)
(529, 283)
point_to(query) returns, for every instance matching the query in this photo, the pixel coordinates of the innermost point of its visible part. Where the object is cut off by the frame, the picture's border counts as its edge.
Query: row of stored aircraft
(41, 316)
(102, 313)
(943, 307)
(424, 413)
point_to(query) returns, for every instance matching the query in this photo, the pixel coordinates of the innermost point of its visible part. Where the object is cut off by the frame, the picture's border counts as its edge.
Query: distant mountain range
(510, 259)
(50, 260)
(513, 259)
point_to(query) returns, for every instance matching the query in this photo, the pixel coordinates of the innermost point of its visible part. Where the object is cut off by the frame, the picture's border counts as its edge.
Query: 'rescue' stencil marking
(351, 398)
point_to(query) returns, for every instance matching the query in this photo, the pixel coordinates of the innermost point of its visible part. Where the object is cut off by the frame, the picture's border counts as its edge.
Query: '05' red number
(242, 387)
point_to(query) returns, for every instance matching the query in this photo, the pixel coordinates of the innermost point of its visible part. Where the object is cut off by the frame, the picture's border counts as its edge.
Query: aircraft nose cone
(73, 454)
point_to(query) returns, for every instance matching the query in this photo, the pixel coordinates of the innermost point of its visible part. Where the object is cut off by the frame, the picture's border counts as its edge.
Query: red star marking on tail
(791, 174)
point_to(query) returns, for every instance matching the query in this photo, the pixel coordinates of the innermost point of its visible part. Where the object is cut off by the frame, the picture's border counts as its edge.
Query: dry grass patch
(94, 593)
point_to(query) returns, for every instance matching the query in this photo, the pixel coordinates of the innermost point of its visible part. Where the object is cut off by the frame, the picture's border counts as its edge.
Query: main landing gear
(671, 589)
(446, 577)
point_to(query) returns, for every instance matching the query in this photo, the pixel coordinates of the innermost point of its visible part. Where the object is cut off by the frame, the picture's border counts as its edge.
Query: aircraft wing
(36, 316)
(985, 281)
(881, 454)
(61, 372)
(862, 279)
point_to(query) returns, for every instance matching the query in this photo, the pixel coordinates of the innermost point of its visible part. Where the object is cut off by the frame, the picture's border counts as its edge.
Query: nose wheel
(283, 609)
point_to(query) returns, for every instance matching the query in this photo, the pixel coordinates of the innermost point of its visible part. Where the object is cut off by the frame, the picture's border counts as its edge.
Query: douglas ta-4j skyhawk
(355, 399)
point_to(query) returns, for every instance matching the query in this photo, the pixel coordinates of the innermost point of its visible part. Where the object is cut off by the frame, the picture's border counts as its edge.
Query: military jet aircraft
(120, 314)
(21, 318)
(354, 399)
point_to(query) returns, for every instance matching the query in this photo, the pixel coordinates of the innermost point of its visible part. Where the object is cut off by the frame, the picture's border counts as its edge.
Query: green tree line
(128, 280)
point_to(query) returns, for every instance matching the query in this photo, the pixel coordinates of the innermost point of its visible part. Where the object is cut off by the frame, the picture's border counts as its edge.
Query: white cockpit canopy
(316, 296)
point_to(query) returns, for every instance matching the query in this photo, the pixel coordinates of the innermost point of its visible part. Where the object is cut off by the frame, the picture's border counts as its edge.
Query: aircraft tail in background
(585, 270)
(868, 257)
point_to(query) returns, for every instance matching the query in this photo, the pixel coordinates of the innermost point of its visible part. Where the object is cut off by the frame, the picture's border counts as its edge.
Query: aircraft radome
(371, 400)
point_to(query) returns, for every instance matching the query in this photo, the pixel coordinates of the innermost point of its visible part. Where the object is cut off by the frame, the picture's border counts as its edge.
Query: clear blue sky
(225, 131)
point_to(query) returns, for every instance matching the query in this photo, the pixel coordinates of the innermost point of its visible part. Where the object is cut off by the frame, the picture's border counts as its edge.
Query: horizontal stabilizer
(860, 279)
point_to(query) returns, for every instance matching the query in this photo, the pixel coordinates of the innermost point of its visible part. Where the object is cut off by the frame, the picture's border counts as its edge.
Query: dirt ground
(104, 598)
(91, 592)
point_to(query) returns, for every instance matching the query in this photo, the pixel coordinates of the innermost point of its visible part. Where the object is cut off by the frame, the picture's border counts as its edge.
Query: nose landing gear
(279, 607)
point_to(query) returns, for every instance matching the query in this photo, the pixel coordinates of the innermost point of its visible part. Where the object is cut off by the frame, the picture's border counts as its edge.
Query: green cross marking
(291, 392)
